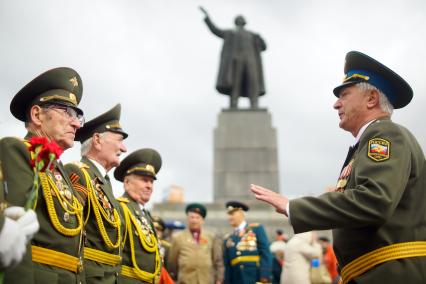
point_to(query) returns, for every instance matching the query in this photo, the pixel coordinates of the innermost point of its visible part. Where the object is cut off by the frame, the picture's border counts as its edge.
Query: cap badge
(113, 126)
(74, 81)
(73, 98)
(150, 168)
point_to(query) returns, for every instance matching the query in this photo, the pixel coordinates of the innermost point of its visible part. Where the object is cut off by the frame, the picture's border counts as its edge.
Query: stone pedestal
(245, 152)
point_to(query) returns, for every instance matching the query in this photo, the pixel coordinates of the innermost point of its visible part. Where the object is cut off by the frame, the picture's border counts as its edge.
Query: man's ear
(373, 99)
(96, 141)
(35, 115)
(126, 181)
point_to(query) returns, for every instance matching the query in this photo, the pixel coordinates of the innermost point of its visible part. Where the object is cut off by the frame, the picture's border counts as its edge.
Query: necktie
(107, 178)
(351, 152)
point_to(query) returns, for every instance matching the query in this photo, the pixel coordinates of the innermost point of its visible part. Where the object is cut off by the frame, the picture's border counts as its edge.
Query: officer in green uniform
(48, 106)
(141, 256)
(102, 144)
(246, 254)
(377, 210)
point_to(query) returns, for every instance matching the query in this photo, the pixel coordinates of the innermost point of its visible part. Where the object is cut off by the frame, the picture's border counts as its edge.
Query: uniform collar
(361, 131)
(100, 168)
(242, 226)
(141, 206)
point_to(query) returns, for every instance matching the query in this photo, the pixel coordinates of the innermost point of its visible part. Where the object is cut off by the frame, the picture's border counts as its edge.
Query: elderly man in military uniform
(141, 256)
(102, 144)
(377, 210)
(246, 252)
(196, 254)
(35, 179)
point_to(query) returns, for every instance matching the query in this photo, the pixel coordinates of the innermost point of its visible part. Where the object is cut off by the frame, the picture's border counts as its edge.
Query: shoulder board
(253, 225)
(165, 244)
(81, 165)
(26, 142)
(123, 199)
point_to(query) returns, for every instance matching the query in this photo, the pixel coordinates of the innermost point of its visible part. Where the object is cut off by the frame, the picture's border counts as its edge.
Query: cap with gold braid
(108, 121)
(60, 86)
(146, 162)
(232, 206)
(360, 67)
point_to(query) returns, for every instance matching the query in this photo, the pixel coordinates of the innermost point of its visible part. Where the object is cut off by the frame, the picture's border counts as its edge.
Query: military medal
(229, 243)
(68, 194)
(343, 178)
(66, 217)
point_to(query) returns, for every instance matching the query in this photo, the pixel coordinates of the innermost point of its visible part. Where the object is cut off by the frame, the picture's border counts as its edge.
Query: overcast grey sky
(159, 60)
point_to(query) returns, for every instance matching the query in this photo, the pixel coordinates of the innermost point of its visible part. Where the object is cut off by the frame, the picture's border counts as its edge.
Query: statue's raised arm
(215, 30)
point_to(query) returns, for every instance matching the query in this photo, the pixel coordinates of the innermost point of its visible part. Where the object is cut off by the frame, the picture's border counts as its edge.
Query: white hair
(385, 105)
(87, 145)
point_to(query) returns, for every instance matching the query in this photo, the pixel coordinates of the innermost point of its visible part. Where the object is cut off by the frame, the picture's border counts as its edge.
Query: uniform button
(116, 274)
(238, 253)
(242, 266)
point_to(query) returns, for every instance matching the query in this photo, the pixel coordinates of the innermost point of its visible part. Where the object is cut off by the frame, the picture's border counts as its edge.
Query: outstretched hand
(203, 10)
(271, 197)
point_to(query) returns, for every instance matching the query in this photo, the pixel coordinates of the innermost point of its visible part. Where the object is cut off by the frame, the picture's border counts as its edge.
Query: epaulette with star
(123, 199)
(81, 165)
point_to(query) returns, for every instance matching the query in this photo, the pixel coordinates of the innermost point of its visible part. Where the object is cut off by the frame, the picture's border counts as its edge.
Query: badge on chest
(344, 176)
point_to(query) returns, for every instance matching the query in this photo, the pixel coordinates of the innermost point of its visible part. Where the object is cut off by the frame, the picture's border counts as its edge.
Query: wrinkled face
(139, 187)
(57, 124)
(195, 220)
(351, 107)
(236, 217)
(110, 146)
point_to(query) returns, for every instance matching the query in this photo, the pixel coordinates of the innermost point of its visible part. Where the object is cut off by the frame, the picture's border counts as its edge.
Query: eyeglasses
(69, 112)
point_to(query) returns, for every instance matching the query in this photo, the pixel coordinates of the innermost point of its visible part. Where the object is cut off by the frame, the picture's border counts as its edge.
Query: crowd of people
(62, 223)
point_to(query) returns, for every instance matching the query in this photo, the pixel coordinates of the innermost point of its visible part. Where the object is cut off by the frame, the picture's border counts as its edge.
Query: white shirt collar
(242, 225)
(361, 131)
(99, 167)
(141, 206)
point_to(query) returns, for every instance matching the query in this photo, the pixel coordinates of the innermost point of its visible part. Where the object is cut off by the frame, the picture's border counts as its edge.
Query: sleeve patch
(379, 149)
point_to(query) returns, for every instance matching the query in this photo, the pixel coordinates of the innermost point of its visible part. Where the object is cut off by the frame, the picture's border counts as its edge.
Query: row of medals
(145, 227)
(103, 199)
(248, 242)
(65, 192)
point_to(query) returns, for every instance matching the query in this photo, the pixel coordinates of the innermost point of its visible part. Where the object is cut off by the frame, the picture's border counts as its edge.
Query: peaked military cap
(146, 162)
(231, 206)
(59, 86)
(197, 208)
(108, 121)
(362, 68)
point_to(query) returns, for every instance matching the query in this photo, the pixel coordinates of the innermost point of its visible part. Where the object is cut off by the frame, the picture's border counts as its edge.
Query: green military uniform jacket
(246, 256)
(19, 176)
(98, 271)
(382, 203)
(196, 263)
(144, 247)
